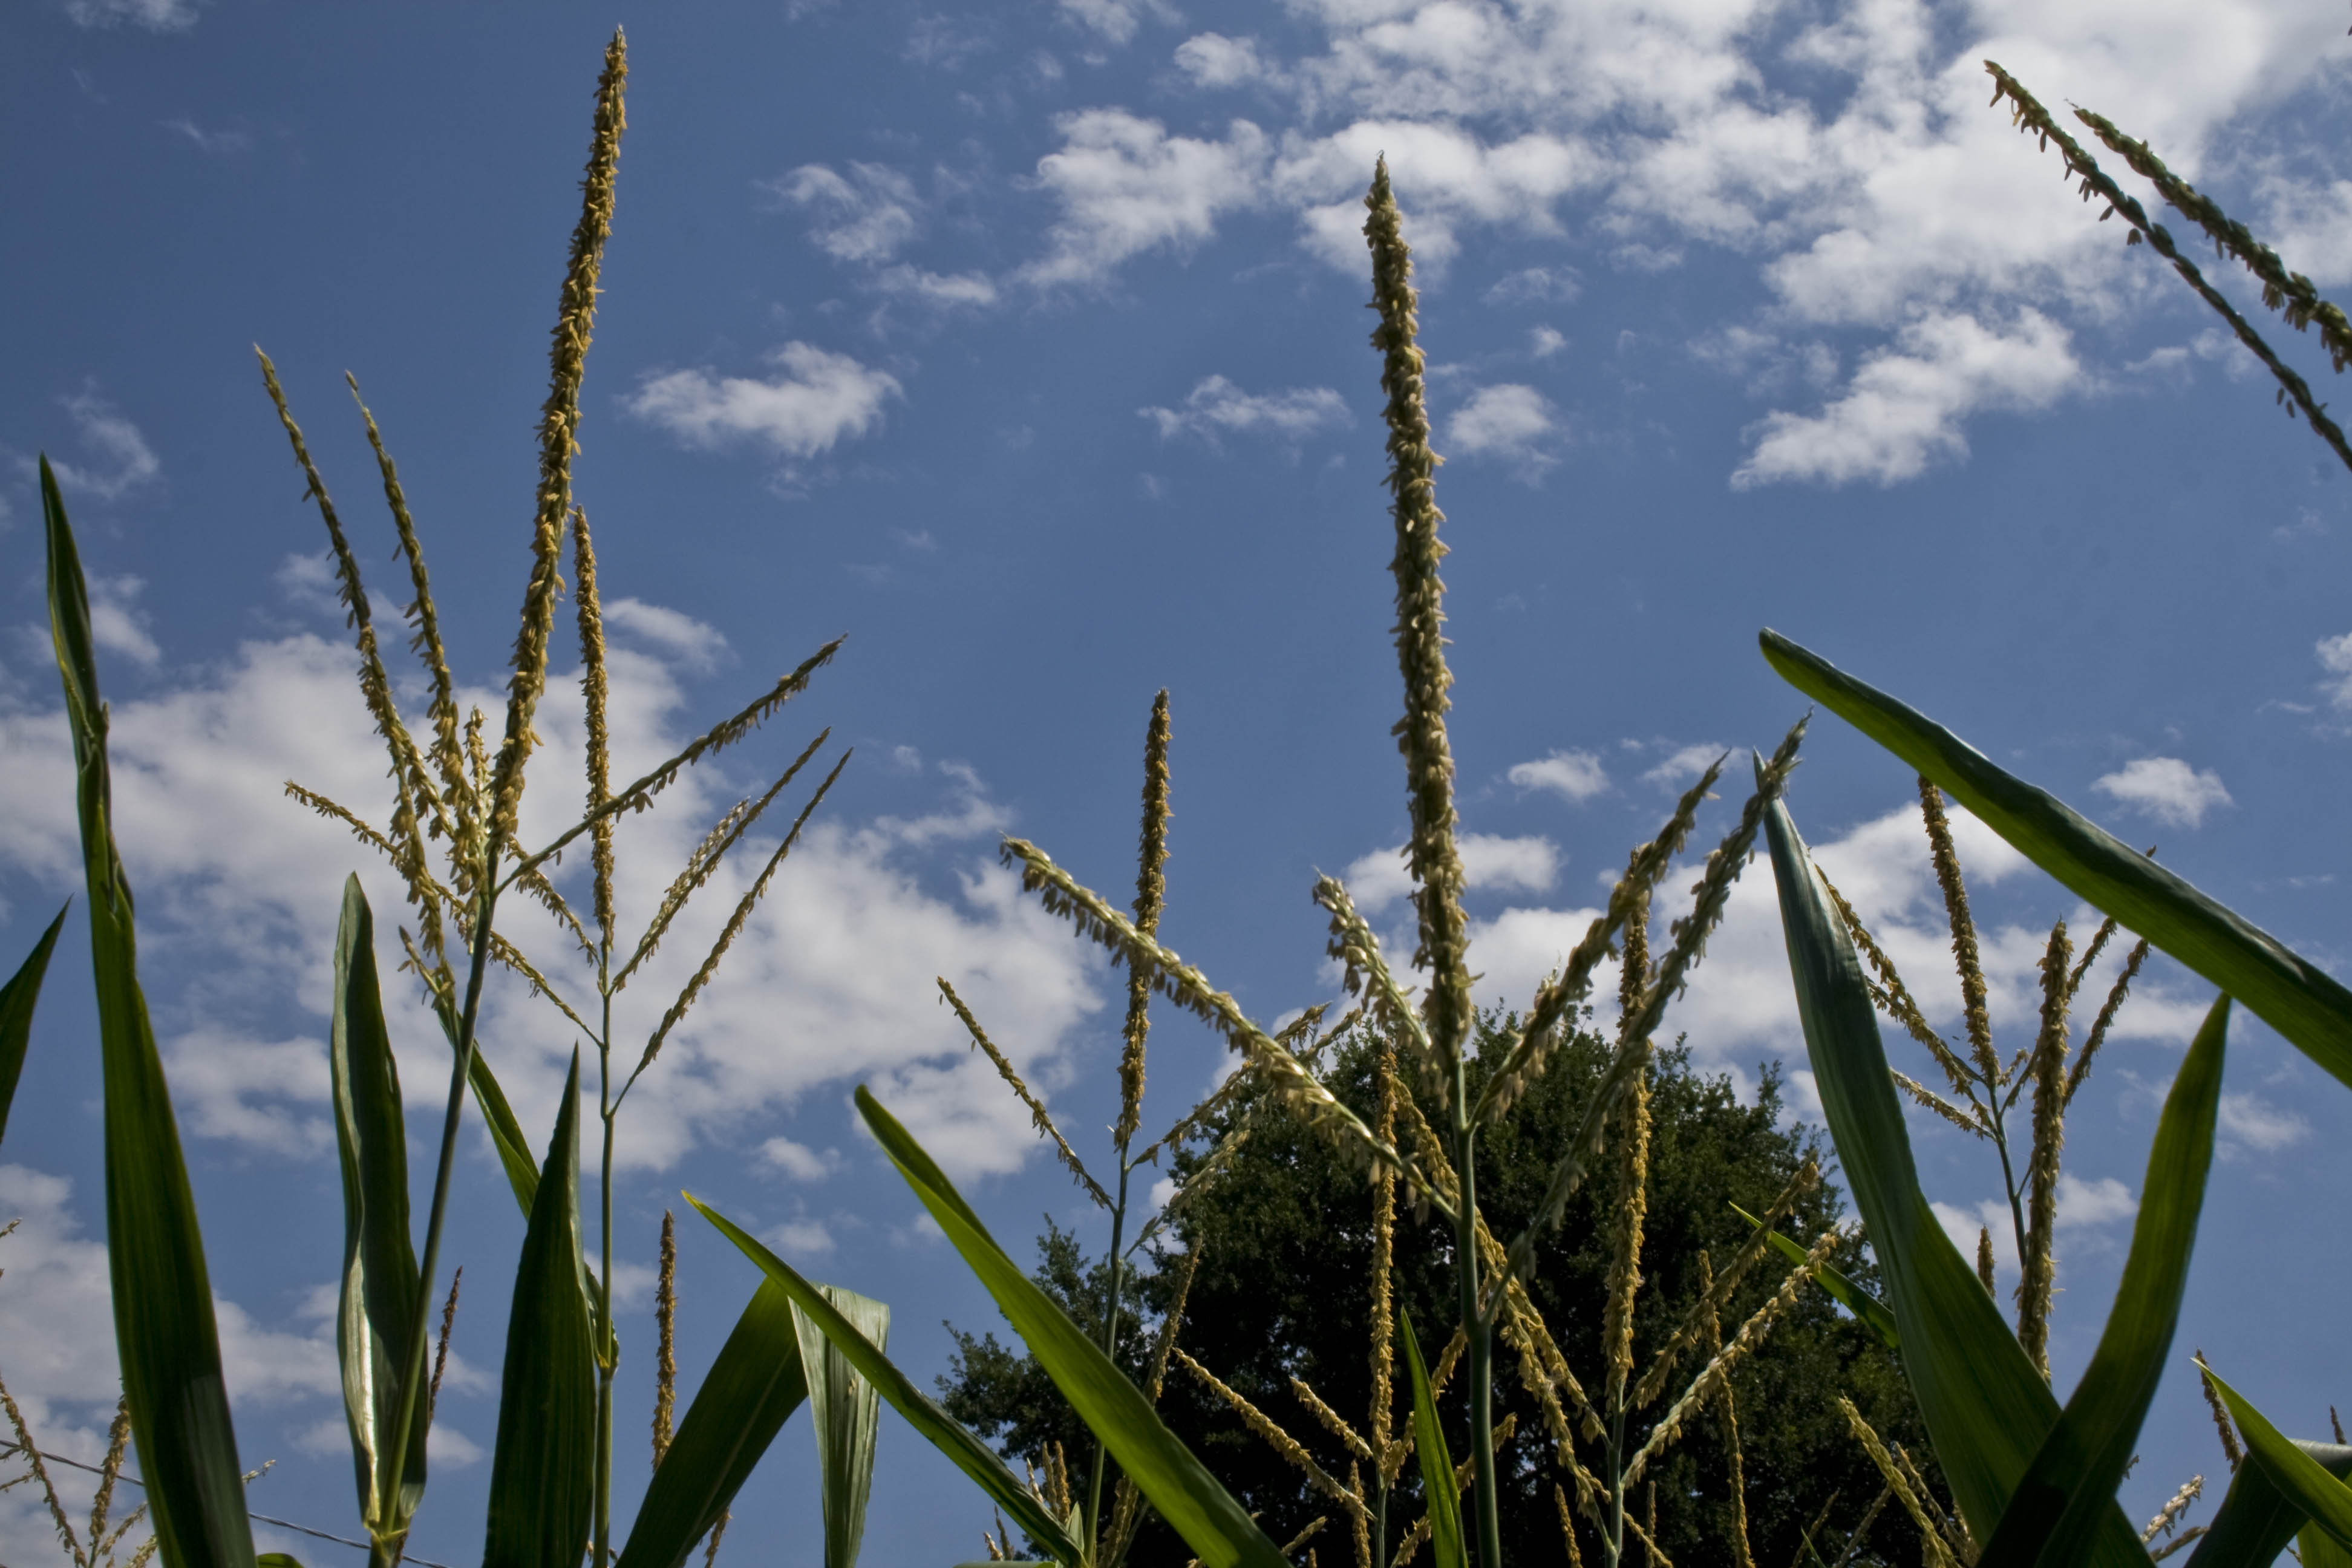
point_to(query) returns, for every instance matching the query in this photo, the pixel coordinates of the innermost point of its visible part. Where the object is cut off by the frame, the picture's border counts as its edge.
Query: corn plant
(2034, 1481)
(456, 800)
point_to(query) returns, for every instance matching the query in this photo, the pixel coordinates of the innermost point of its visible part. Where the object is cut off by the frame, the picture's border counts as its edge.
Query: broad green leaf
(967, 1452)
(1984, 1403)
(847, 1414)
(543, 1468)
(163, 1329)
(1192, 1501)
(17, 1000)
(2255, 1521)
(1868, 1309)
(506, 1132)
(1437, 1488)
(755, 1384)
(2318, 1549)
(276, 1560)
(2299, 1477)
(2071, 1482)
(378, 1307)
(2292, 994)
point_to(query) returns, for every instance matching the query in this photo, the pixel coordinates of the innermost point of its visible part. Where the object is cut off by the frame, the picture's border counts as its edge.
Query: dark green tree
(1281, 1292)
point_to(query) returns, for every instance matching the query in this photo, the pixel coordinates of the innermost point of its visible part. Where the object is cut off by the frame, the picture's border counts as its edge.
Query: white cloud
(1575, 776)
(838, 960)
(1116, 21)
(799, 1161)
(1536, 286)
(697, 645)
(1213, 60)
(117, 623)
(2255, 1123)
(800, 1237)
(817, 399)
(1217, 407)
(970, 290)
(155, 15)
(1683, 763)
(1488, 860)
(215, 142)
(124, 459)
(1507, 421)
(1906, 405)
(2164, 788)
(1545, 342)
(2335, 657)
(1126, 186)
(864, 216)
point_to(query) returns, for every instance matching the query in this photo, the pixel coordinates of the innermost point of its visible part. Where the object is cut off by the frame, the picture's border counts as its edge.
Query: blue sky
(1025, 345)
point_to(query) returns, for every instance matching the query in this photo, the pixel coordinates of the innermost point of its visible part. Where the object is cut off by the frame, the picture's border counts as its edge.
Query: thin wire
(6, 1448)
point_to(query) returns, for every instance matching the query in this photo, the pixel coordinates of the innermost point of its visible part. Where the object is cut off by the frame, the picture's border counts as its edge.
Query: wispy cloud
(121, 460)
(1488, 860)
(1510, 422)
(867, 215)
(1217, 407)
(155, 15)
(1575, 776)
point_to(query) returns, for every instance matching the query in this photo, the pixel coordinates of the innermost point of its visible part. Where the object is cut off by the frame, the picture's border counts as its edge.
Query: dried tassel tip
(597, 690)
(665, 1327)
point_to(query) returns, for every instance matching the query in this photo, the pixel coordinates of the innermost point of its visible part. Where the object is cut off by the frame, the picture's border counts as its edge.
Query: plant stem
(1109, 1335)
(608, 1349)
(412, 1377)
(1478, 1332)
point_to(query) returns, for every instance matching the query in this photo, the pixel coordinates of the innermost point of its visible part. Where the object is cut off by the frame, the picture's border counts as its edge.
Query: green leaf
(17, 1000)
(2297, 1473)
(276, 1560)
(543, 1468)
(1437, 1488)
(1984, 1403)
(163, 1330)
(2255, 1521)
(847, 1414)
(2292, 994)
(378, 1307)
(2318, 1549)
(1865, 1307)
(2073, 1479)
(751, 1389)
(506, 1132)
(966, 1451)
(1192, 1501)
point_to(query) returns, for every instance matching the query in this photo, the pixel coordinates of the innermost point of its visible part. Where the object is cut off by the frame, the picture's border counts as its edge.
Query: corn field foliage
(1407, 1088)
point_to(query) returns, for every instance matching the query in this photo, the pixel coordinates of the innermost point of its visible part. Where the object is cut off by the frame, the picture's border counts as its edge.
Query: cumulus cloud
(1683, 763)
(2335, 657)
(2255, 1123)
(695, 645)
(120, 459)
(1116, 21)
(2165, 789)
(816, 399)
(1507, 421)
(866, 216)
(1906, 405)
(1488, 860)
(1125, 187)
(116, 622)
(1217, 407)
(946, 289)
(1574, 776)
(1213, 60)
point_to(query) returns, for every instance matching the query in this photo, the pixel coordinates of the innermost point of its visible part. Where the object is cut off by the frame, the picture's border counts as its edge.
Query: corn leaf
(1985, 1406)
(378, 1307)
(2292, 995)
(163, 1327)
(1867, 1308)
(2290, 1466)
(967, 1452)
(2256, 1520)
(17, 1000)
(2318, 1549)
(751, 1389)
(1437, 1488)
(2073, 1479)
(847, 1412)
(506, 1132)
(1192, 1501)
(543, 1468)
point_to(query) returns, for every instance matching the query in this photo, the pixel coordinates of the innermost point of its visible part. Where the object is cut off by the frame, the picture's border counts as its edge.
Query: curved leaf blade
(1865, 1307)
(942, 1431)
(543, 1468)
(377, 1311)
(165, 1334)
(1447, 1544)
(16, 1000)
(847, 1414)
(754, 1387)
(1985, 1406)
(2256, 1520)
(1192, 1501)
(2299, 1477)
(2071, 1483)
(2294, 997)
